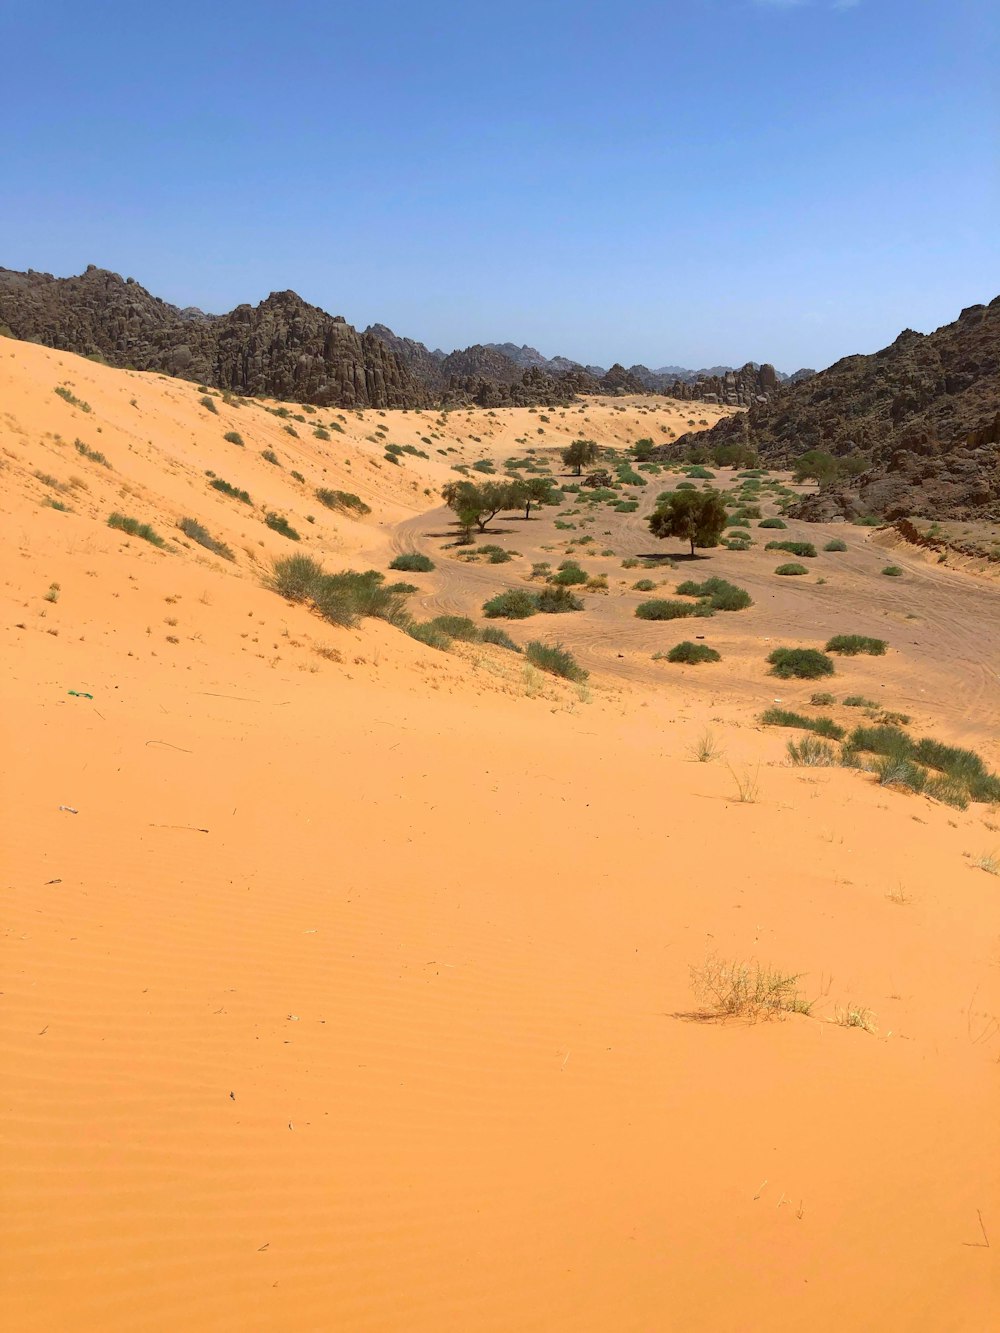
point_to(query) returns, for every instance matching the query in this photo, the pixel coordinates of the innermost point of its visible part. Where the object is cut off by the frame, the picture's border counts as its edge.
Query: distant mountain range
(286, 348)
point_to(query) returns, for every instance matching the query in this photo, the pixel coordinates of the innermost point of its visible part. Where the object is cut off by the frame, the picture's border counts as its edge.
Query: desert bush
(193, 529)
(892, 571)
(278, 523)
(499, 638)
(858, 701)
(747, 989)
(233, 437)
(342, 500)
(835, 544)
(217, 484)
(496, 555)
(515, 604)
(427, 634)
(893, 771)
(663, 609)
(821, 700)
(850, 645)
(94, 455)
(800, 663)
(401, 587)
(295, 577)
(805, 549)
(822, 726)
(134, 528)
(721, 596)
(456, 627)
(568, 574)
(949, 791)
(693, 653)
(269, 456)
(791, 570)
(772, 523)
(71, 398)
(412, 563)
(630, 562)
(811, 753)
(554, 601)
(556, 660)
(208, 404)
(644, 585)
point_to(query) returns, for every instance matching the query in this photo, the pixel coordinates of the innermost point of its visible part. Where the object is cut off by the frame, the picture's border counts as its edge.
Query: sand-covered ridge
(347, 983)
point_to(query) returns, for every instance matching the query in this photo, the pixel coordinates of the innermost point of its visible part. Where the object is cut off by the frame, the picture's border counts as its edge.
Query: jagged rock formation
(282, 348)
(733, 388)
(924, 413)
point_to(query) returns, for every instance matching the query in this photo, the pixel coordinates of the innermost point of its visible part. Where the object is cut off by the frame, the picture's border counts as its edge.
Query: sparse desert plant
(278, 523)
(949, 791)
(850, 645)
(893, 771)
(747, 989)
(693, 653)
(663, 609)
(854, 1016)
(747, 785)
(556, 660)
(720, 595)
(858, 701)
(49, 503)
(269, 456)
(988, 861)
(791, 569)
(66, 393)
(772, 523)
(515, 604)
(233, 437)
(401, 587)
(568, 574)
(630, 562)
(53, 593)
(208, 404)
(134, 528)
(495, 555)
(822, 726)
(644, 585)
(800, 663)
(811, 753)
(821, 700)
(793, 548)
(499, 638)
(706, 748)
(835, 544)
(218, 484)
(427, 633)
(94, 455)
(555, 601)
(193, 529)
(456, 627)
(412, 562)
(342, 500)
(892, 571)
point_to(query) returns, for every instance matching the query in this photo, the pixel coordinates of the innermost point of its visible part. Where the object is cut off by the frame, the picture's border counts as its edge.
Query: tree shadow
(658, 556)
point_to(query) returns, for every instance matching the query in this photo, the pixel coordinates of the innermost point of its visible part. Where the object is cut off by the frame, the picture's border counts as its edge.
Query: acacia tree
(479, 504)
(694, 516)
(533, 491)
(580, 454)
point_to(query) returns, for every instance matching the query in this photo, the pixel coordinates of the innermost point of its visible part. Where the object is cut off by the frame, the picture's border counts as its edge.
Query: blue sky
(691, 183)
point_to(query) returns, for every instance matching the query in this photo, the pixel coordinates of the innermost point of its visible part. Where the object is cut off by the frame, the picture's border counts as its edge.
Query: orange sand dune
(352, 990)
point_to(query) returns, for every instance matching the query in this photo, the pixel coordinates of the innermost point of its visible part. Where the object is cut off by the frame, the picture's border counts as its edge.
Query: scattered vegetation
(134, 528)
(800, 663)
(661, 608)
(94, 455)
(693, 653)
(811, 753)
(720, 595)
(278, 523)
(71, 398)
(208, 404)
(747, 989)
(835, 544)
(218, 484)
(822, 726)
(805, 549)
(413, 563)
(342, 500)
(515, 604)
(342, 599)
(556, 660)
(892, 571)
(193, 529)
(233, 437)
(850, 645)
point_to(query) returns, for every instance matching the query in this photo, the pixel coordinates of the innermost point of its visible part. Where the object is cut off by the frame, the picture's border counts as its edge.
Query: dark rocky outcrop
(923, 413)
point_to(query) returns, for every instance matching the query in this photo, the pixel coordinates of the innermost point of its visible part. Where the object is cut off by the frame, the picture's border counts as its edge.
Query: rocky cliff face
(282, 348)
(922, 413)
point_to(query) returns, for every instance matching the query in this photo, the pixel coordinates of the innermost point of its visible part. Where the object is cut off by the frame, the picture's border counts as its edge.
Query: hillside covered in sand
(349, 981)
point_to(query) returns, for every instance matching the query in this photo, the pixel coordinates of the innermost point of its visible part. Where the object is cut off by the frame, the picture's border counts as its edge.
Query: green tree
(535, 491)
(695, 516)
(642, 450)
(817, 464)
(478, 505)
(580, 454)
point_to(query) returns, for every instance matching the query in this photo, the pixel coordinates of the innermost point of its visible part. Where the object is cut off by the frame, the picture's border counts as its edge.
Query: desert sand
(346, 983)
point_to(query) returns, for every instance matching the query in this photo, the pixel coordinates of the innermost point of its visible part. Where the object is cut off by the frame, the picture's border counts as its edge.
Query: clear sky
(695, 182)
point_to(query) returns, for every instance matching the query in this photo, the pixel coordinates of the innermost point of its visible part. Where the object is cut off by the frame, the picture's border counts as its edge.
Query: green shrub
(515, 604)
(233, 437)
(401, 587)
(799, 663)
(134, 528)
(556, 660)
(821, 700)
(496, 555)
(644, 585)
(858, 701)
(208, 404)
(791, 569)
(71, 398)
(850, 645)
(218, 484)
(835, 545)
(721, 596)
(94, 455)
(892, 571)
(456, 627)
(893, 771)
(413, 563)
(295, 577)
(320, 433)
(822, 726)
(428, 634)
(793, 548)
(270, 456)
(569, 574)
(772, 523)
(342, 500)
(949, 791)
(699, 473)
(193, 529)
(693, 653)
(630, 562)
(660, 608)
(499, 638)
(554, 601)
(811, 753)
(278, 523)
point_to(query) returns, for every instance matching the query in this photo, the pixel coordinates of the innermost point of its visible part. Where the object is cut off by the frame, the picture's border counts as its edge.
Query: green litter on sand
(80, 694)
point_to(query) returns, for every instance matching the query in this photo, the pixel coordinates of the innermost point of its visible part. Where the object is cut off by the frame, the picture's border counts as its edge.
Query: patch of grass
(427, 633)
(456, 627)
(693, 653)
(297, 476)
(821, 700)
(747, 989)
(217, 484)
(94, 455)
(402, 587)
(413, 563)
(556, 600)
(269, 456)
(892, 571)
(661, 608)
(193, 529)
(556, 660)
(233, 437)
(988, 861)
(747, 785)
(835, 544)
(822, 726)
(342, 500)
(811, 753)
(515, 604)
(499, 638)
(791, 569)
(805, 549)
(859, 701)
(71, 398)
(719, 594)
(208, 404)
(644, 585)
(496, 555)
(342, 598)
(49, 503)
(799, 663)
(854, 1016)
(706, 748)
(278, 523)
(134, 528)
(850, 645)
